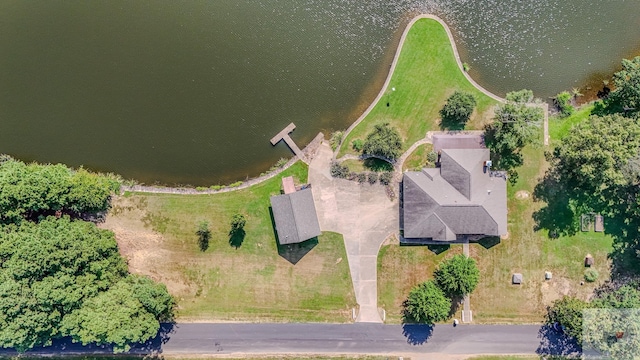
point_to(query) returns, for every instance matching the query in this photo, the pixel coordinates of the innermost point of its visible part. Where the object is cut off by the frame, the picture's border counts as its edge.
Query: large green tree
(383, 141)
(516, 124)
(457, 110)
(427, 304)
(626, 95)
(32, 190)
(592, 170)
(54, 273)
(567, 312)
(457, 276)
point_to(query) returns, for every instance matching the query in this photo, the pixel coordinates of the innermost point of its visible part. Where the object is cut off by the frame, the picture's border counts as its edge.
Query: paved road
(415, 341)
(363, 338)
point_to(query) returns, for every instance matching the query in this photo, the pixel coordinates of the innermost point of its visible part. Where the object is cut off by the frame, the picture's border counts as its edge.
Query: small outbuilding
(516, 279)
(547, 275)
(588, 260)
(294, 214)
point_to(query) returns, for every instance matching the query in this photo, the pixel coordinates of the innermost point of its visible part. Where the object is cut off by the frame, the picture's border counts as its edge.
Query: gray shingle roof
(295, 217)
(459, 198)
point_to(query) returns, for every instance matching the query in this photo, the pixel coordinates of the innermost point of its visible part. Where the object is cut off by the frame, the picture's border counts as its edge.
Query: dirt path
(365, 216)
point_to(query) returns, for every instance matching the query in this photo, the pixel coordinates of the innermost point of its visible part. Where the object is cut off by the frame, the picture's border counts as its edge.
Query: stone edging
(309, 151)
(395, 62)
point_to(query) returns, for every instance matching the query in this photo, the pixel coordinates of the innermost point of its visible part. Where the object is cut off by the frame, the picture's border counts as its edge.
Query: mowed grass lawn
(252, 282)
(526, 251)
(425, 76)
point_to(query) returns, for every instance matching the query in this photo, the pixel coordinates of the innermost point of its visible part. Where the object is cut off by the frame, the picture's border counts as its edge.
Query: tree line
(61, 276)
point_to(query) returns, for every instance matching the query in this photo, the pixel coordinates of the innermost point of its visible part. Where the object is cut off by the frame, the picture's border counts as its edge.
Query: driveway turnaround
(365, 217)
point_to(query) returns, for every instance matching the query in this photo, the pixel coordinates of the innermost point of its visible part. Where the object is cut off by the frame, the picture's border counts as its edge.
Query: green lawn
(250, 282)
(418, 158)
(426, 74)
(526, 250)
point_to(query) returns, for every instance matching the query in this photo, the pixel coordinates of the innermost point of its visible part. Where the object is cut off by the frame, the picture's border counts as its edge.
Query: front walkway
(365, 217)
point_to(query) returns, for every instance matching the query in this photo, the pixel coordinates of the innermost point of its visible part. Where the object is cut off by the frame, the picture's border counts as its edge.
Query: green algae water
(190, 92)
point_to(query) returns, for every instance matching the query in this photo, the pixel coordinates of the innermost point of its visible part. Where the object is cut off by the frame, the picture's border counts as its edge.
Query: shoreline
(313, 145)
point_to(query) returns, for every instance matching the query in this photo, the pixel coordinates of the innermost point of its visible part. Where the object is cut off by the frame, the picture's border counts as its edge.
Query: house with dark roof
(462, 199)
(294, 214)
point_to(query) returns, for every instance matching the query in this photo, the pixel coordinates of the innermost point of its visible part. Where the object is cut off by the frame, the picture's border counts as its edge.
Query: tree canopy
(627, 85)
(515, 125)
(383, 141)
(32, 190)
(60, 277)
(592, 170)
(427, 304)
(568, 313)
(457, 110)
(457, 276)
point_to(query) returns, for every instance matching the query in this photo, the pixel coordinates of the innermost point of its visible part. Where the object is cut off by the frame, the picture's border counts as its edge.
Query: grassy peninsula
(425, 75)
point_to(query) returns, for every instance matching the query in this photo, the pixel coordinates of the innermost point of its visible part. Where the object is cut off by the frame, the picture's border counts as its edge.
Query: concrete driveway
(364, 215)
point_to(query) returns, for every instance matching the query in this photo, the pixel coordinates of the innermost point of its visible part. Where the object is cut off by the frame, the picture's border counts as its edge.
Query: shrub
(202, 188)
(386, 177)
(336, 139)
(432, 157)
(591, 275)
(338, 170)
(372, 178)
(204, 235)
(383, 141)
(466, 67)
(361, 177)
(216, 187)
(563, 103)
(235, 184)
(357, 145)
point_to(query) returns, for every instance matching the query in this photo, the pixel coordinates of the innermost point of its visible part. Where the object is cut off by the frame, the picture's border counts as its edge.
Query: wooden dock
(284, 135)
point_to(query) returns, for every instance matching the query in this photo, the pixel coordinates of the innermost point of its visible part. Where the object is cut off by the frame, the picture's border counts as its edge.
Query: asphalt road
(363, 338)
(417, 341)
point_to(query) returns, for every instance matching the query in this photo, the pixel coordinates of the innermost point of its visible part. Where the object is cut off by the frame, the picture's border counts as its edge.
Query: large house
(462, 199)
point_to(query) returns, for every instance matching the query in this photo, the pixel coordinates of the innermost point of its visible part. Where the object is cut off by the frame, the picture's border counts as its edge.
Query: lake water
(190, 92)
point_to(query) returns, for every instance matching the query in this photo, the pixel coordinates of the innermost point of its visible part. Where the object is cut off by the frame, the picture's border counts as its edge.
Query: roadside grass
(251, 282)
(402, 267)
(418, 158)
(425, 75)
(526, 250)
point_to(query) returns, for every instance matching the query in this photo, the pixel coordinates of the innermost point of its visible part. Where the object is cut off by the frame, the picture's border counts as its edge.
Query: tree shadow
(456, 302)
(236, 237)
(553, 343)
(295, 252)
(377, 165)
(417, 334)
(557, 216)
(489, 241)
(448, 123)
(66, 345)
(438, 249)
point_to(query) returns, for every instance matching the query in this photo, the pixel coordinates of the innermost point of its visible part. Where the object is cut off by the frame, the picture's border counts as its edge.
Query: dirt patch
(554, 289)
(143, 248)
(522, 195)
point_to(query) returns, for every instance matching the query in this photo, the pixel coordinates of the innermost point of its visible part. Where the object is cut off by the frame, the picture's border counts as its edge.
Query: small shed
(516, 279)
(588, 260)
(547, 275)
